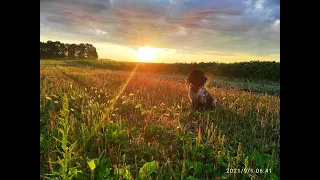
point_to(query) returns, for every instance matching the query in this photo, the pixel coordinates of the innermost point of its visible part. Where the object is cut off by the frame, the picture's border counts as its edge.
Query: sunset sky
(180, 30)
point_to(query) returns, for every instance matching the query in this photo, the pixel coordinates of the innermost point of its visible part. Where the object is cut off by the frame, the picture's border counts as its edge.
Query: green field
(100, 123)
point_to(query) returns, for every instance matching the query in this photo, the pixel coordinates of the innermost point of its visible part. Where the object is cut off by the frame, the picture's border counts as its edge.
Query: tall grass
(149, 130)
(66, 149)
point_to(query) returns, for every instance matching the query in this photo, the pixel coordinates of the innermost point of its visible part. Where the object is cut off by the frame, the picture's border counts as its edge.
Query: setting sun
(146, 54)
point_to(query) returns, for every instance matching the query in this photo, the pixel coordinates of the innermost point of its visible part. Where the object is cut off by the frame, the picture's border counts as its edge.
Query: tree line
(58, 50)
(253, 70)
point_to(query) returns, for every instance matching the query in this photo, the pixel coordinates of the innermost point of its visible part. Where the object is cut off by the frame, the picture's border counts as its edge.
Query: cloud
(206, 26)
(176, 1)
(276, 25)
(218, 53)
(42, 25)
(96, 32)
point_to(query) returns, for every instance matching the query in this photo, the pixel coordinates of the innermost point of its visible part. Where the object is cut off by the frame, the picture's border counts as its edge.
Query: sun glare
(146, 54)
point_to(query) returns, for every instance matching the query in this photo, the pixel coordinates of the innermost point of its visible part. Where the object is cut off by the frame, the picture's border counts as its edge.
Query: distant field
(97, 122)
(259, 86)
(272, 88)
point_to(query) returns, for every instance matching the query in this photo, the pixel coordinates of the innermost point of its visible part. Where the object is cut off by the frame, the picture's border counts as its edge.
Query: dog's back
(201, 99)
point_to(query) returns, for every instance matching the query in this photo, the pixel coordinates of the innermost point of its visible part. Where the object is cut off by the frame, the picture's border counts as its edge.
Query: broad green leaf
(147, 169)
(104, 163)
(224, 176)
(91, 165)
(197, 167)
(273, 176)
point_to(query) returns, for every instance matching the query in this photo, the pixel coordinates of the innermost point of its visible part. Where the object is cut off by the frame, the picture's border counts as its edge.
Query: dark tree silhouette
(91, 51)
(58, 50)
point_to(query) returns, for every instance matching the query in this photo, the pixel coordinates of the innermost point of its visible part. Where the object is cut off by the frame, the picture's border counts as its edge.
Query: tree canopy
(58, 50)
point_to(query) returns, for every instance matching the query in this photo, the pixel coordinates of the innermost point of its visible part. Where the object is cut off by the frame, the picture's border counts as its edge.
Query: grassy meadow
(97, 123)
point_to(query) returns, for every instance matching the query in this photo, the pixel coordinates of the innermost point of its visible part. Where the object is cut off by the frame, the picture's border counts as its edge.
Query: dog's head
(196, 78)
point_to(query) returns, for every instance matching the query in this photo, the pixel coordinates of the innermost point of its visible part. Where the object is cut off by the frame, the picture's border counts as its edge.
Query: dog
(198, 95)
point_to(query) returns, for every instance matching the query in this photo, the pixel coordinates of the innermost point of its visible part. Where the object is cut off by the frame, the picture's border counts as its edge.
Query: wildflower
(111, 121)
(48, 98)
(56, 102)
(178, 127)
(72, 109)
(91, 165)
(223, 98)
(131, 94)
